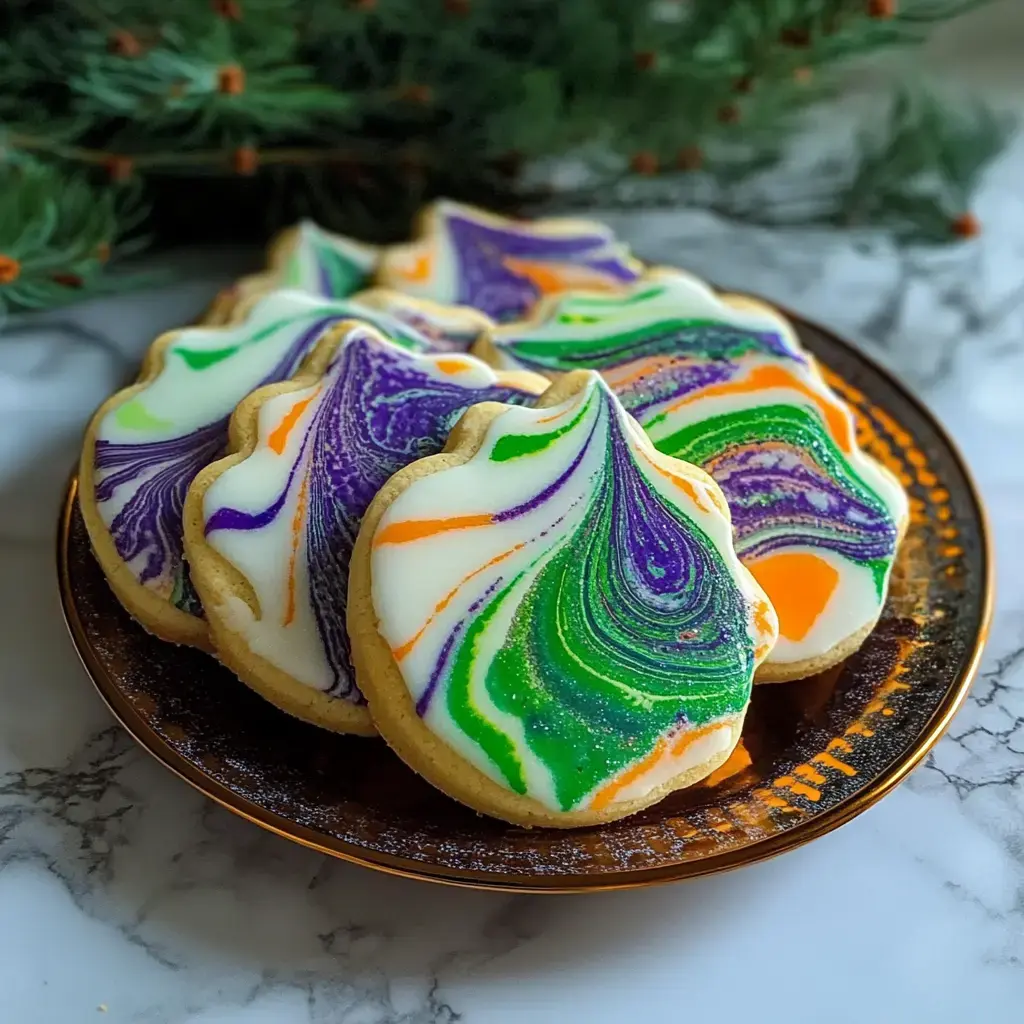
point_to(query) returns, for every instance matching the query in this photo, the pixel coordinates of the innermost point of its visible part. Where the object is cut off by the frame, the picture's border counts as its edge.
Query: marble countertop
(127, 897)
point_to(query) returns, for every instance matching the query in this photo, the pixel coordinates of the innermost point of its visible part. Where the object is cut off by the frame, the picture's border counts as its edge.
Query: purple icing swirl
(486, 282)
(381, 410)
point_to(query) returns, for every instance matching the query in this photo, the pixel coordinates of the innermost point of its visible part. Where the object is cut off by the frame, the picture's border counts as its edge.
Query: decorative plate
(814, 753)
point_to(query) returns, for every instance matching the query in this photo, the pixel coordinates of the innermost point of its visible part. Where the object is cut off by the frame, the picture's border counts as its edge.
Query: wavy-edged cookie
(269, 529)
(502, 266)
(447, 327)
(548, 619)
(304, 257)
(721, 381)
(145, 444)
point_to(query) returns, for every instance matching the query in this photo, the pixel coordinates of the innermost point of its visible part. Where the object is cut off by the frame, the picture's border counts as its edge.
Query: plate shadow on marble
(814, 753)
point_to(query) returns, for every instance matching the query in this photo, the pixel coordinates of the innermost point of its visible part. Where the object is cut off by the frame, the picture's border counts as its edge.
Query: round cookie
(721, 381)
(548, 619)
(145, 445)
(502, 266)
(304, 257)
(269, 529)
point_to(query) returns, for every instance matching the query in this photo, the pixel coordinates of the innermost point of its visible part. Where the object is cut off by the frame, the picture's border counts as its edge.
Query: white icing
(451, 326)
(699, 751)
(411, 582)
(853, 604)
(262, 556)
(305, 272)
(669, 294)
(187, 398)
(855, 601)
(400, 263)
(665, 292)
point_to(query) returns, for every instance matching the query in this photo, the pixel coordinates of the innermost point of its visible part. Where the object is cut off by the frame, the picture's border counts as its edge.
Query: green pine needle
(354, 112)
(58, 234)
(916, 173)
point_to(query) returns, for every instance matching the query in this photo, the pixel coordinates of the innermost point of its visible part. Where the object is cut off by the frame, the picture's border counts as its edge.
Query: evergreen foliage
(198, 119)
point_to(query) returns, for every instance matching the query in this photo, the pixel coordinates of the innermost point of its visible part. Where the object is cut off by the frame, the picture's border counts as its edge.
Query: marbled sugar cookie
(721, 381)
(146, 443)
(503, 266)
(269, 530)
(304, 257)
(448, 328)
(549, 620)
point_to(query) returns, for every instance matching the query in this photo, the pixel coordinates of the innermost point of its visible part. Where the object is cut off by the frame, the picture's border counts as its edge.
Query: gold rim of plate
(789, 792)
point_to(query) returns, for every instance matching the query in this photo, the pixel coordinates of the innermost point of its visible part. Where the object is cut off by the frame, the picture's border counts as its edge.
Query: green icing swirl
(628, 626)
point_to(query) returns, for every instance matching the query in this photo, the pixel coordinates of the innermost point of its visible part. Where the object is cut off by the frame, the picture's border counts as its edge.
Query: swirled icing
(723, 384)
(447, 328)
(306, 258)
(286, 516)
(150, 444)
(322, 263)
(501, 266)
(565, 607)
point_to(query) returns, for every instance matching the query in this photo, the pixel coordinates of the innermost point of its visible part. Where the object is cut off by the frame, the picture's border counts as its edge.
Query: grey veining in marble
(126, 897)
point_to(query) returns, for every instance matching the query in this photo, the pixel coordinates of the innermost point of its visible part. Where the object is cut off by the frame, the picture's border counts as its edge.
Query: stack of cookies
(537, 514)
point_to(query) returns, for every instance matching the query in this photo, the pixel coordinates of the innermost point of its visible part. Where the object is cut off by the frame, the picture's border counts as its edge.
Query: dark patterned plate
(814, 754)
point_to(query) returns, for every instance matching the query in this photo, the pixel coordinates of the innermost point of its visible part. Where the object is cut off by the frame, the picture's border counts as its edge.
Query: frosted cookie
(304, 257)
(549, 620)
(146, 443)
(269, 529)
(501, 266)
(722, 382)
(448, 328)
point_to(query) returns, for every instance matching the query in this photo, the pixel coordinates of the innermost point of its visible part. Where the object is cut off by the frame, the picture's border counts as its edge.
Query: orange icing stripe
(691, 736)
(764, 377)
(279, 435)
(418, 270)
(452, 366)
(604, 796)
(558, 415)
(799, 585)
(297, 519)
(550, 278)
(764, 628)
(417, 529)
(681, 482)
(547, 279)
(400, 652)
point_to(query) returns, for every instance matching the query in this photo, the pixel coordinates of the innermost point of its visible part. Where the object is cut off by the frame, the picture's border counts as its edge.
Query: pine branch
(210, 159)
(355, 111)
(916, 175)
(57, 234)
(911, 173)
